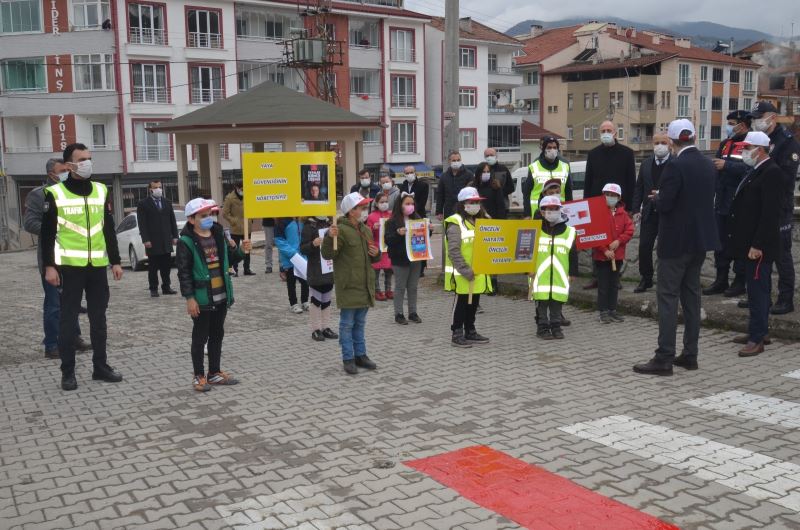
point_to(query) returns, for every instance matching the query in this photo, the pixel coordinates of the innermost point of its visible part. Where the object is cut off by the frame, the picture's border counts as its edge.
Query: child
(458, 275)
(354, 278)
(287, 239)
(556, 264)
(608, 278)
(203, 259)
(406, 272)
(381, 211)
(320, 284)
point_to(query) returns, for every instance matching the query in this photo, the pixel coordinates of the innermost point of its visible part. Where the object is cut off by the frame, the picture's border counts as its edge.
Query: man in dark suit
(159, 233)
(687, 230)
(643, 208)
(754, 235)
(419, 188)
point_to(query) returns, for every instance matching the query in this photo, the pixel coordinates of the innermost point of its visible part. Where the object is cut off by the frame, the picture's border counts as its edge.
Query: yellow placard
(289, 184)
(505, 246)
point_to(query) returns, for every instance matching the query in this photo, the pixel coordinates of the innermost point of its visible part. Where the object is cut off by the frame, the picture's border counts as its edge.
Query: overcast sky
(766, 15)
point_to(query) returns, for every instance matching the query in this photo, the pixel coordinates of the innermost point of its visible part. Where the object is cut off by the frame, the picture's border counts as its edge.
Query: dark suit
(420, 189)
(687, 230)
(157, 226)
(614, 164)
(649, 179)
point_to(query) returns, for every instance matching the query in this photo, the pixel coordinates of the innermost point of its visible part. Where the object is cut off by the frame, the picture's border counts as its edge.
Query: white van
(577, 175)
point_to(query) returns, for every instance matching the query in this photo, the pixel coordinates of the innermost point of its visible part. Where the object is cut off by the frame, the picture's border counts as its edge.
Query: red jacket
(621, 230)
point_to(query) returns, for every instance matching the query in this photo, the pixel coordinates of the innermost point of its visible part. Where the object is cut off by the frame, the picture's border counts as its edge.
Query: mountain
(704, 34)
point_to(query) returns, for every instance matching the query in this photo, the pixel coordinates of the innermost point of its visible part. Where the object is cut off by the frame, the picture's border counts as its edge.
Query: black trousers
(464, 312)
(75, 281)
(648, 231)
(291, 287)
(548, 314)
(208, 327)
(785, 267)
(238, 240)
(678, 280)
(607, 280)
(722, 259)
(155, 265)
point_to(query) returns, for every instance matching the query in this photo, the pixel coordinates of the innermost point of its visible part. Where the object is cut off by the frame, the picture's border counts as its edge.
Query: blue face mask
(206, 223)
(729, 130)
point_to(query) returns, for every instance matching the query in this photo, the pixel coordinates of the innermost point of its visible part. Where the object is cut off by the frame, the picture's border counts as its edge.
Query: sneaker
(107, 374)
(475, 338)
(328, 333)
(296, 309)
(317, 335)
(248, 272)
(81, 345)
(380, 296)
(221, 378)
(605, 317)
(479, 310)
(68, 382)
(362, 361)
(545, 334)
(413, 317)
(306, 305)
(350, 367)
(557, 333)
(390, 295)
(268, 270)
(459, 340)
(616, 317)
(400, 319)
(201, 384)
(52, 354)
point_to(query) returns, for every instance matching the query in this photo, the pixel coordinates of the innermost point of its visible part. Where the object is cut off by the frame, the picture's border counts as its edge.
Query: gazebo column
(215, 172)
(183, 174)
(203, 168)
(350, 163)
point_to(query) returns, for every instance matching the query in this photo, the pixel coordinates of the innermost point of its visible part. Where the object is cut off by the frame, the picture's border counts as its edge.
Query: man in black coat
(419, 188)
(754, 235)
(159, 232)
(687, 230)
(644, 210)
(454, 179)
(501, 173)
(365, 186)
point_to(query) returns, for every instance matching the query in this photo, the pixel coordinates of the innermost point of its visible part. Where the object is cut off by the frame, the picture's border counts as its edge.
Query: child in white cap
(609, 258)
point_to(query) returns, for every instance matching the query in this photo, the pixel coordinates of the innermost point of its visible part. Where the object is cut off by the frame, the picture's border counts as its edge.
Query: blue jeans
(759, 291)
(351, 332)
(51, 310)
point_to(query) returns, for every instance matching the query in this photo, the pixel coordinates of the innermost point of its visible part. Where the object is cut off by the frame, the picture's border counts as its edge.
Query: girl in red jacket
(381, 211)
(608, 276)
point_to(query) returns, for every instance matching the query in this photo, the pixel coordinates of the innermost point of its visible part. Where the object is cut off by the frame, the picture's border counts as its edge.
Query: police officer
(730, 172)
(785, 151)
(546, 167)
(78, 244)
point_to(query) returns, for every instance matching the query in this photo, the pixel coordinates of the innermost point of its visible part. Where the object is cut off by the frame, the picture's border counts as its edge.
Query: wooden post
(614, 265)
(246, 233)
(471, 288)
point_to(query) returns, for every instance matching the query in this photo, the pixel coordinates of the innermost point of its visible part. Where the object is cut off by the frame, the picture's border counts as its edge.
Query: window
(146, 24)
(404, 139)
(504, 138)
(587, 134)
(150, 83)
(533, 104)
(587, 100)
(403, 92)
(90, 13)
(620, 133)
(716, 103)
(206, 84)
(526, 159)
(252, 74)
(701, 132)
(595, 100)
(716, 75)
(776, 82)
(492, 62)
(151, 146)
(683, 106)
(702, 103)
(552, 109)
(364, 82)
(748, 81)
(467, 139)
(402, 45)
(747, 103)
(204, 28)
(467, 98)
(530, 78)
(704, 73)
(371, 137)
(570, 133)
(666, 96)
(733, 104)
(330, 31)
(20, 16)
(734, 76)
(716, 132)
(620, 99)
(253, 23)
(99, 136)
(364, 33)
(570, 102)
(24, 75)
(683, 75)
(594, 132)
(93, 72)
(467, 58)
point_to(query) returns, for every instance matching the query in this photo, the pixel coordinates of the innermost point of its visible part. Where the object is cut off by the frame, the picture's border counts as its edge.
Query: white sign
(326, 264)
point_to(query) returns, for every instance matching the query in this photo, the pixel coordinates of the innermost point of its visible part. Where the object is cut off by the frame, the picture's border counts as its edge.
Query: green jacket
(353, 274)
(193, 275)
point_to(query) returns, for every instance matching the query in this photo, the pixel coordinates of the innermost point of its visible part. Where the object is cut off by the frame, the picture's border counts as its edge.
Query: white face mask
(472, 209)
(552, 216)
(607, 138)
(365, 183)
(611, 201)
(761, 124)
(84, 169)
(551, 154)
(491, 160)
(383, 206)
(455, 165)
(364, 215)
(411, 177)
(386, 186)
(661, 150)
(747, 158)
(485, 177)
(64, 175)
(157, 192)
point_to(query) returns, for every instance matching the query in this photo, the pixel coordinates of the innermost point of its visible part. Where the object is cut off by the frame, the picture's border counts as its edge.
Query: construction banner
(592, 221)
(505, 246)
(289, 184)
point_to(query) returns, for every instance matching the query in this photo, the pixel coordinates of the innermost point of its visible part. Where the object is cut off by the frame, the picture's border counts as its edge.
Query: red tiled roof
(479, 32)
(645, 60)
(531, 131)
(756, 47)
(667, 45)
(365, 8)
(551, 41)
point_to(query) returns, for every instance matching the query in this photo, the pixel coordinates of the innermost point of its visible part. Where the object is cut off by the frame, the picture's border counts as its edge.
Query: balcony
(507, 115)
(366, 104)
(31, 161)
(153, 37)
(400, 147)
(150, 95)
(205, 40)
(638, 140)
(504, 77)
(154, 153)
(202, 96)
(370, 58)
(749, 87)
(403, 55)
(404, 101)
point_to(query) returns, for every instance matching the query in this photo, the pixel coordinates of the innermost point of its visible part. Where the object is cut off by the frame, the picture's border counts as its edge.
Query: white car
(130, 242)
(577, 171)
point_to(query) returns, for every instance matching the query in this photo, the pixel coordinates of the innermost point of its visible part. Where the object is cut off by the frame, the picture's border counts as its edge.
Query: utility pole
(450, 81)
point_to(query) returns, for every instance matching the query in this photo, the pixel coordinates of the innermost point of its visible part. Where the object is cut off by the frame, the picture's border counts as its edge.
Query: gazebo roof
(268, 106)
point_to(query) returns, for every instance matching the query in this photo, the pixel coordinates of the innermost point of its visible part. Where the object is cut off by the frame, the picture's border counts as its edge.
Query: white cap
(613, 188)
(550, 200)
(352, 200)
(676, 127)
(757, 138)
(199, 205)
(469, 194)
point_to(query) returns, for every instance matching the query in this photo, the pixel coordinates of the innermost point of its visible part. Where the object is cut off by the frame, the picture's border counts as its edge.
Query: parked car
(577, 174)
(130, 242)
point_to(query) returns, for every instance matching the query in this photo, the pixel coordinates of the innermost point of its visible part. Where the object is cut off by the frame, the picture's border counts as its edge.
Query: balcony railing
(404, 147)
(402, 101)
(206, 95)
(29, 149)
(503, 70)
(641, 139)
(749, 87)
(511, 109)
(157, 37)
(205, 40)
(154, 153)
(150, 95)
(403, 55)
(507, 149)
(643, 107)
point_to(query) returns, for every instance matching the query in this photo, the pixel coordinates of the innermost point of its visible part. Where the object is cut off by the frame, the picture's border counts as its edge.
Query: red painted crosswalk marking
(530, 495)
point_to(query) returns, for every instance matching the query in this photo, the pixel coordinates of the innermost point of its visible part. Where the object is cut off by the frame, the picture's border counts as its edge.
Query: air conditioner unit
(520, 104)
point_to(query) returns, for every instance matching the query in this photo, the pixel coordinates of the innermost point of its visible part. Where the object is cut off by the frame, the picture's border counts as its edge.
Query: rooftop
(357, 7)
(612, 64)
(531, 131)
(550, 42)
(471, 30)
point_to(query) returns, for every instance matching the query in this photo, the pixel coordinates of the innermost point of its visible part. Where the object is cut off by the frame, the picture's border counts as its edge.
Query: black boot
(644, 284)
(720, 284)
(737, 288)
(653, 367)
(459, 340)
(543, 332)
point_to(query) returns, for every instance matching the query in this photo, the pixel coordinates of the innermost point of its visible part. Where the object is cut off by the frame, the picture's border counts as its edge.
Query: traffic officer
(730, 172)
(785, 151)
(78, 244)
(547, 166)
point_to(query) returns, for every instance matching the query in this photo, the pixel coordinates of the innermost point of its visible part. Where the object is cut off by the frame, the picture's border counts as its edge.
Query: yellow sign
(289, 184)
(505, 246)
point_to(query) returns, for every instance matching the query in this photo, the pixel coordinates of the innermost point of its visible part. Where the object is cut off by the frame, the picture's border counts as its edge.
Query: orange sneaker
(200, 384)
(221, 378)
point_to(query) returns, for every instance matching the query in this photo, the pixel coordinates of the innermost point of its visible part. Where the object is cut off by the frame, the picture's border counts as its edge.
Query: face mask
(551, 216)
(84, 169)
(157, 193)
(607, 138)
(611, 201)
(363, 216)
(322, 218)
(551, 154)
(661, 150)
(408, 209)
(383, 206)
(729, 130)
(455, 166)
(206, 223)
(472, 209)
(491, 160)
(747, 158)
(365, 183)
(485, 177)
(761, 124)
(411, 177)
(239, 193)
(386, 186)
(64, 175)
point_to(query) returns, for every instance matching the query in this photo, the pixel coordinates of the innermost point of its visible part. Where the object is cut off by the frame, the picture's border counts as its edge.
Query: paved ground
(298, 444)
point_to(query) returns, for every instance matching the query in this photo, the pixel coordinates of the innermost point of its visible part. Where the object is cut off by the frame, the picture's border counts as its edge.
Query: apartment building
(488, 116)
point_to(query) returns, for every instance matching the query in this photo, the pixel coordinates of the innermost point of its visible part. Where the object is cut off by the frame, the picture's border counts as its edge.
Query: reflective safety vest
(552, 266)
(79, 236)
(453, 280)
(542, 175)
